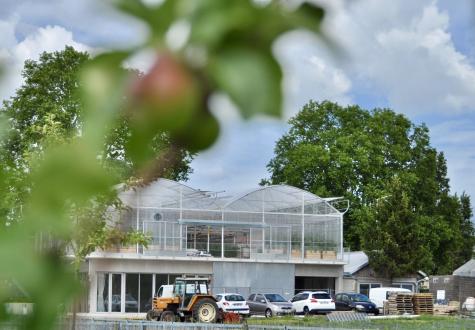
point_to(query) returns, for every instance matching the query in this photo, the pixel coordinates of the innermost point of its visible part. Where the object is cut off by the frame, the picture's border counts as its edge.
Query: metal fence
(94, 324)
(90, 324)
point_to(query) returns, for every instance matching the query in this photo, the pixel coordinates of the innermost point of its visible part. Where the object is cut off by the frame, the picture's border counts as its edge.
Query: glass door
(110, 295)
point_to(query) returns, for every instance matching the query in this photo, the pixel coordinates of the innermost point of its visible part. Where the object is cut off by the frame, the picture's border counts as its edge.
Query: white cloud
(309, 72)
(13, 53)
(405, 51)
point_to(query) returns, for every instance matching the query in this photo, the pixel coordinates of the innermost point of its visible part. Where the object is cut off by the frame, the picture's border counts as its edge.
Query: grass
(419, 323)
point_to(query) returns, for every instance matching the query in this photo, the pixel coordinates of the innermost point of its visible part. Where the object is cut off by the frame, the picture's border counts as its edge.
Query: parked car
(355, 301)
(130, 302)
(269, 304)
(232, 302)
(379, 295)
(307, 302)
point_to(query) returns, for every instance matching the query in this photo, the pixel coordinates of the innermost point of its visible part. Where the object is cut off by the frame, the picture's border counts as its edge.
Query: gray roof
(467, 269)
(355, 261)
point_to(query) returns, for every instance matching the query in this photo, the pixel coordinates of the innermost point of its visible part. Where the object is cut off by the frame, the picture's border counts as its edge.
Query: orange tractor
(186, 300)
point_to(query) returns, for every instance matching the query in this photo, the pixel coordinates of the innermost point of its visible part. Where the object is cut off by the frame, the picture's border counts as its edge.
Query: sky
(415, 57)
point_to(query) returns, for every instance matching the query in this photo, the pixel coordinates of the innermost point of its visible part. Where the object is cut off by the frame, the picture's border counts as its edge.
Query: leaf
(251, 78)
(103, 81)
(158, 17)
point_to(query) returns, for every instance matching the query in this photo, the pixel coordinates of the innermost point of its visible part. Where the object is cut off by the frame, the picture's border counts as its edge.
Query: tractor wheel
(151, 316)
(205, 311)
(167, 316)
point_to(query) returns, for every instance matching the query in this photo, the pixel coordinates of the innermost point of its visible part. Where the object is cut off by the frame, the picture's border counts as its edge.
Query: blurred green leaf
(213, 21)
(201, 134)
(158, 17)
(70, 173)
(251, 78)
(103, 82)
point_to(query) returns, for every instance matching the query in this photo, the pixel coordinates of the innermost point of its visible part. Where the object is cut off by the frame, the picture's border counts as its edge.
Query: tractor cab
(187, 288)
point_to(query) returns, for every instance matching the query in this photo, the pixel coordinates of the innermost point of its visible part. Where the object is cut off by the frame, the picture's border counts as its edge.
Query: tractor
(187, 300)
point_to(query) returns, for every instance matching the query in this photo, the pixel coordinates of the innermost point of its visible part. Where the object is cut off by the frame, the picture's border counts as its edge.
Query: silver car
(269, 304)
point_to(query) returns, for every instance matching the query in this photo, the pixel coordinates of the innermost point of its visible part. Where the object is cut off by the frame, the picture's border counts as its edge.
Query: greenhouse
(277, 222)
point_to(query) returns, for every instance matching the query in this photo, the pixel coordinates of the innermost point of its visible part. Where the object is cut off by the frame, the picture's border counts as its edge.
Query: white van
(379, 295)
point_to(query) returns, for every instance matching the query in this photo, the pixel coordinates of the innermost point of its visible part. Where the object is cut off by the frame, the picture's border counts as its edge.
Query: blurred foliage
(65, 151)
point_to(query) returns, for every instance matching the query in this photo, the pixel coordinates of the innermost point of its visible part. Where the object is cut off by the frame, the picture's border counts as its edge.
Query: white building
(273, 239)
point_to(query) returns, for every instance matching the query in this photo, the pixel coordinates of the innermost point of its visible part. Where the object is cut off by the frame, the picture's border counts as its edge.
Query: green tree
(51, 91)
(396, 239)
(344, 151)
(332, 150)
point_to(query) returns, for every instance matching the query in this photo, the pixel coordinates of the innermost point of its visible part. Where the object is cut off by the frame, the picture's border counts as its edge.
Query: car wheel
(306, 311)
(268, 313)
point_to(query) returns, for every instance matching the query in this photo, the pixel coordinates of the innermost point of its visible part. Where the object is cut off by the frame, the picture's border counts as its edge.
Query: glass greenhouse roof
(165, 193)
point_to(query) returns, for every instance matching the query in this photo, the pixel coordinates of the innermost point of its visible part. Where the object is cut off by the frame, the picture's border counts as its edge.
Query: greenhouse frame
(277, 222)
(276, 239)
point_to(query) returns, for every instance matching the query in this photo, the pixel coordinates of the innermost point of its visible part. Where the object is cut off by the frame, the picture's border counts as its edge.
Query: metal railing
(298, 324)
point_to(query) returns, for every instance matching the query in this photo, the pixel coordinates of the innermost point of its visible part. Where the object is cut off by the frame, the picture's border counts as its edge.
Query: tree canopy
(395, 180)
(47, 111)
(50, 92)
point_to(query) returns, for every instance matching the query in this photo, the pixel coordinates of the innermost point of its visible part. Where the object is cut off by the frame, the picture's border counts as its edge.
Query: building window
(109, 289)
(365, 287)
(138, 294)
(408, 286)
(132, 293)
(146, 292)
(435, 280)
(446, 279)
(116, 293)
(102, 292)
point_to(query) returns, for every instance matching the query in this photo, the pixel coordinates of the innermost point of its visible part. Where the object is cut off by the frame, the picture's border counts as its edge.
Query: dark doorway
(313, 283)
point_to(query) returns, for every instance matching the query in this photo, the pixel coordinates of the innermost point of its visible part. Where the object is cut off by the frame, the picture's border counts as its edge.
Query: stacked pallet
(423, 303)
(450, 309)
(400, 303)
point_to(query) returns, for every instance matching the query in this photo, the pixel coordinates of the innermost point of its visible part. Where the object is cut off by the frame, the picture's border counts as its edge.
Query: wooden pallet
(423, 303)
(400, 303)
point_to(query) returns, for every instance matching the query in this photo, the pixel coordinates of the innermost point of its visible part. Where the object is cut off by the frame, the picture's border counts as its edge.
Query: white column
(181, 218)
(137, 202)
(222, 234)
(92, 289)
(122, 293)
(207, 243)
(222, 241)
(109, 293)
(263, 222)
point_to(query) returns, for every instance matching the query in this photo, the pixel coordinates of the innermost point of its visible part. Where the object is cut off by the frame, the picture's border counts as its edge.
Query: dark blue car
(355, 301)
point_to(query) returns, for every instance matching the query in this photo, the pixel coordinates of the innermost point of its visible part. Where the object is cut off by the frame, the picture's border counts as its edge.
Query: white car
(307, 302)
(232, 302)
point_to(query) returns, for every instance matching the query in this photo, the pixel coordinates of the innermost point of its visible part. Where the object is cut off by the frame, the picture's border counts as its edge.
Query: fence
(421, 324)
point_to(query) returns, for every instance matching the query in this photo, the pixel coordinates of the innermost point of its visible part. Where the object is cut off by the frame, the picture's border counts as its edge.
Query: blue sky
(416, 57)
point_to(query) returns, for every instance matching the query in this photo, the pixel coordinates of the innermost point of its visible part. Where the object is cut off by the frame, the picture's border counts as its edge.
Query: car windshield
(234, 297)
(275, 298)
(321, 296)
(360, 298)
